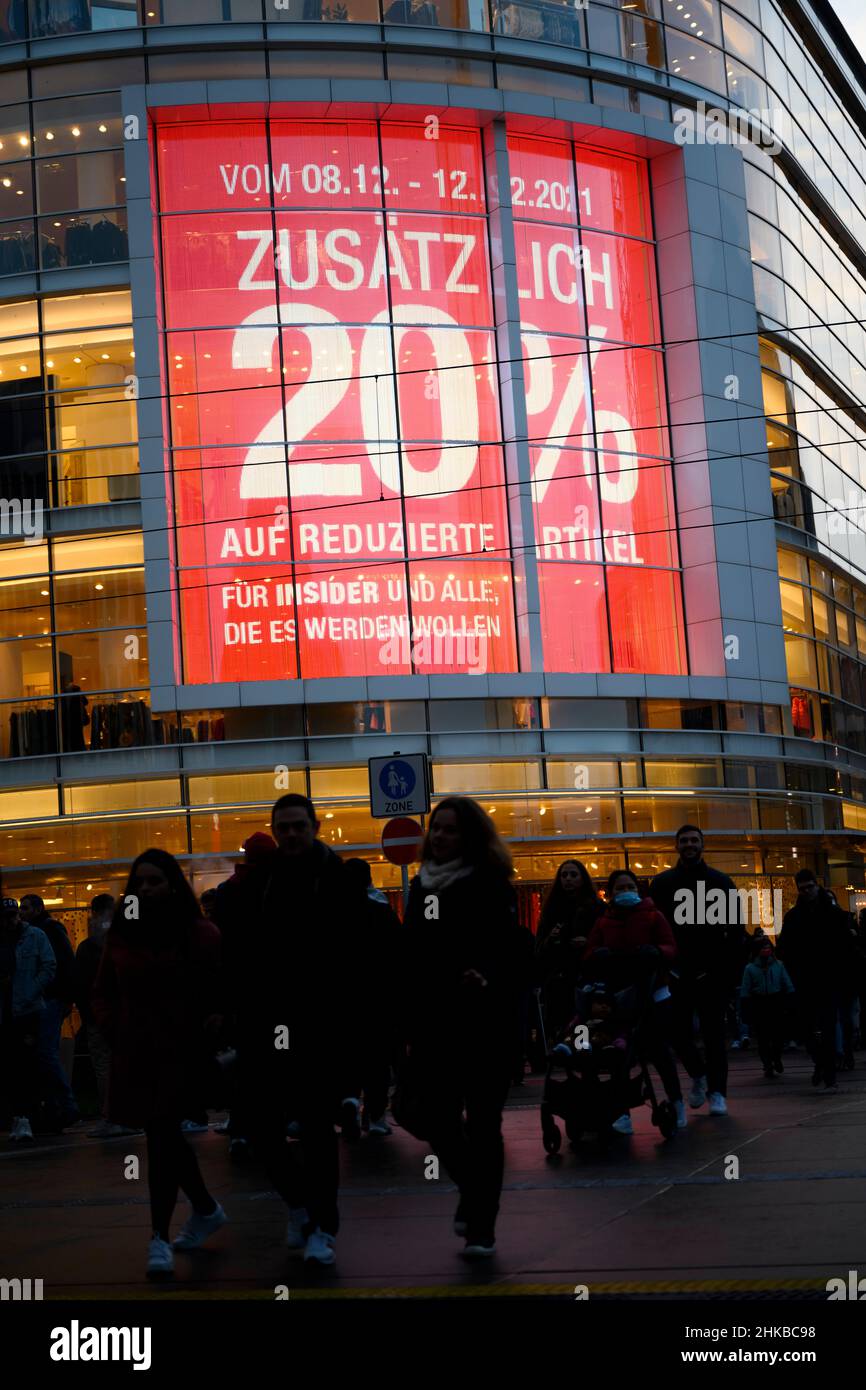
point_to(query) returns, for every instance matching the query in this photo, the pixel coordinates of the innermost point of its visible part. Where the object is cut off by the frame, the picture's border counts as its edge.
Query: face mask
(627, 899)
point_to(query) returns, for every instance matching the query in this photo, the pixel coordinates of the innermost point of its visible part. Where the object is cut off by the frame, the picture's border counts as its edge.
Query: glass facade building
(431, 375)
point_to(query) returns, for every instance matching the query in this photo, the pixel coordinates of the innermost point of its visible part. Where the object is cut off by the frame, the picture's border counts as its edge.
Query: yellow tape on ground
(677, 1286)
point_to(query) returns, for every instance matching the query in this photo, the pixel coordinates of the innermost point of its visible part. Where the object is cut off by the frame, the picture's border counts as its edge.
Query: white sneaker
(160, 1260)
(623, 1125)
(198, 1228)
(718, 1104)
(193, 1127)
(698, 1093)
(20, 1131)
(380, 1126)
(298, 1219)
(682, 1117)
(293, 1129)
(479, 1250)
(320, 1248)
(736, 1045)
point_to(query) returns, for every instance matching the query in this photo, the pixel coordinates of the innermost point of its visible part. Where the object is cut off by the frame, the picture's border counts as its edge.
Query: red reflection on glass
(444, 172)
(620, 289)
(549, 278)
(325, 164)
(214, 166)
(574, 617)
(613, 193)
(542, 179)
(646, 620)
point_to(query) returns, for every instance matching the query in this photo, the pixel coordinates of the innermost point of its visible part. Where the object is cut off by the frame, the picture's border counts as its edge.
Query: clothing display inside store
(48, 17)
(32, 732)
(206, 731)
(17, 253)
(123, 724)
(88, 245)
(83, 244)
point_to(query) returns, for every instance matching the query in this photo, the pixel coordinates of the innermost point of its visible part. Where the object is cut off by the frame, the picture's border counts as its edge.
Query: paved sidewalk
(653, 1218)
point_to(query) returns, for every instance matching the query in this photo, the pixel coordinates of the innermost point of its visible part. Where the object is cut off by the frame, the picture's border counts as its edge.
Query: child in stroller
(589, 1082)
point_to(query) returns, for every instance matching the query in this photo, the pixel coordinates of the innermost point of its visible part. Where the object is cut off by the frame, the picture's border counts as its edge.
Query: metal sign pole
(404, 874)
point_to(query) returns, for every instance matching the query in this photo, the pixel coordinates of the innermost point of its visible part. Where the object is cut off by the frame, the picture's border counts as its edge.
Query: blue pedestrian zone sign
(397, 779)
(398, 786)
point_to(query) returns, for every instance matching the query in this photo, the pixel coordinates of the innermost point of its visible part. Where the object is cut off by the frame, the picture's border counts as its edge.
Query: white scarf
(436, 877)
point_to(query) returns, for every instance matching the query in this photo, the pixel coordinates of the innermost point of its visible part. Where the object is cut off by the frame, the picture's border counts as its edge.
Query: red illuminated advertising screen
(336, 447)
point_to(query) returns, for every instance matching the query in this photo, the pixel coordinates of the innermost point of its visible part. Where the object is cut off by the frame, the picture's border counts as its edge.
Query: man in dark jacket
(60, 1107)
(292, 969)
(818, 947)
(703, 908)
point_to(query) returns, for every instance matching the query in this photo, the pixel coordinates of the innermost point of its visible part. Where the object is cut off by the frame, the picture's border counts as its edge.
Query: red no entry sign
(401, 840)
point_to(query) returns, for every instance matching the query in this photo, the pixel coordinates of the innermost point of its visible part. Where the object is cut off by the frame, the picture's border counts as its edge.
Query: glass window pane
(26, 669)
(77, 123)
(699, 17)
(695, 61)
(14, 133)
(77, 311)
(100, 661)
(334, 11)
(795, 609)
(16, 190)
(24, 608)
(742, 39)
(17, 248)
(81, 181)
(102, 599)
(555, 21)
(49, 18)
(18, 560)
(68, 239)
(99, 552)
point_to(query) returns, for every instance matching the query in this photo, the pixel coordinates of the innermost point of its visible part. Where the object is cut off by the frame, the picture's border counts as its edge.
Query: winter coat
(62, 987)
(819, 947)
(703, 949)
(87, 959)
(294, 957)
(476, 928)
(35, 968)
(760, 980)
(626, 931)
(153, 992)
(556, 955)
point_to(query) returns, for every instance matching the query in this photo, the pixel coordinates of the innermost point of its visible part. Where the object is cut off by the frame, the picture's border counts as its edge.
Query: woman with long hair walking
(462, 993)
(155, 1001)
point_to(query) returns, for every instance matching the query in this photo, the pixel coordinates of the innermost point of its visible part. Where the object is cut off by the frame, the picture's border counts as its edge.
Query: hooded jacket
(760, 980)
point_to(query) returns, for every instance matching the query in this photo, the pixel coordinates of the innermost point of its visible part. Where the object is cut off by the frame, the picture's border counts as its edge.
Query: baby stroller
(590, 1091)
